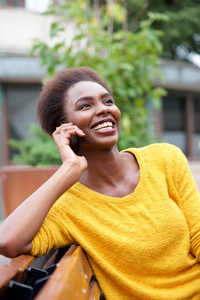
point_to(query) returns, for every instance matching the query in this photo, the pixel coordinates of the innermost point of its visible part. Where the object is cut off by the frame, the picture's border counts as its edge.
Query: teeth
(104, 126)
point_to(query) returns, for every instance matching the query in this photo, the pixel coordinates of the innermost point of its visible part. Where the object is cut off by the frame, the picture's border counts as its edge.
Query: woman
(136, 213)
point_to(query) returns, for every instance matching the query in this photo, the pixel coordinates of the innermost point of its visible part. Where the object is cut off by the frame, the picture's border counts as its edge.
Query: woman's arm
(186, 196)
(18, 230)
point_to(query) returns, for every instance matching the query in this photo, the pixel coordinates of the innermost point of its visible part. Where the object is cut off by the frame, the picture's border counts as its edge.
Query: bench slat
(22, 262)
(94, 291)
(17, 265)
(70, 280)
(77, 251)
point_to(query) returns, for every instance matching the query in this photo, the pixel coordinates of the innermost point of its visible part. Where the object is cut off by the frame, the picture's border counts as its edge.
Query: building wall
(17, 34)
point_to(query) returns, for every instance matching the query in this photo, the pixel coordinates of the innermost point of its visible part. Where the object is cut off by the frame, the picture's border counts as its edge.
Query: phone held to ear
(76, 144)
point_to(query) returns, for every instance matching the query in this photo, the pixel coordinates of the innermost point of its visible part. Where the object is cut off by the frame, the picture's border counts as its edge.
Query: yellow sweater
(143, 246)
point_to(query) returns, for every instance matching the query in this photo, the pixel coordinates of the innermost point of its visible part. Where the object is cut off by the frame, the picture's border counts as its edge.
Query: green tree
(182, 31)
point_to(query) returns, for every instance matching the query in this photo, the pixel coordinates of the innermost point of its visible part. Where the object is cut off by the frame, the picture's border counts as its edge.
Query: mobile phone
(75, 143)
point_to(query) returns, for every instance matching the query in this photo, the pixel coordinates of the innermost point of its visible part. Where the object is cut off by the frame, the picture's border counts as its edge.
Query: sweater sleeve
(53, 233)
(189, 198)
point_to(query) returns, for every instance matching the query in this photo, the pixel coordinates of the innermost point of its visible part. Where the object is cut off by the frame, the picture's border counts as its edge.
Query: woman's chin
(109, 144)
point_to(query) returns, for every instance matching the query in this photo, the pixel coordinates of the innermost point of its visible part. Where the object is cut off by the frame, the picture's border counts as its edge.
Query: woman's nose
(102, 109)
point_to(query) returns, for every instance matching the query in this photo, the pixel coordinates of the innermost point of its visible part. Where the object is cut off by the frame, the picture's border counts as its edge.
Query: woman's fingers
(63, 133)
(62, 136)
(69, 129)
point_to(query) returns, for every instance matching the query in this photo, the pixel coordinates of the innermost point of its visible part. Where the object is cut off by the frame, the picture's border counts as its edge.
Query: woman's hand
(62, 136)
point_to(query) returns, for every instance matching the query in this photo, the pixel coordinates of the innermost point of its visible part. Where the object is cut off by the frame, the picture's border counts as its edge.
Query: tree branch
(111, 3)
(140, 12)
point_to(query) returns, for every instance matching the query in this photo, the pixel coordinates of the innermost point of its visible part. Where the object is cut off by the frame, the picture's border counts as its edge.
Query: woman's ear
(60, 122)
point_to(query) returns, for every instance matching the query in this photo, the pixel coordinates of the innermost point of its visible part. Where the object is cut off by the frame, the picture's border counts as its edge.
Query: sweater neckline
(101, 197)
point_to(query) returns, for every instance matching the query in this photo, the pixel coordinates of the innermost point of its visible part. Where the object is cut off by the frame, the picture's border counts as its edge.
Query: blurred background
(147, 51)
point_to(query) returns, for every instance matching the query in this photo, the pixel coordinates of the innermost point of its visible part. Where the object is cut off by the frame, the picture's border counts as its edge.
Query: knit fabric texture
(145, 245)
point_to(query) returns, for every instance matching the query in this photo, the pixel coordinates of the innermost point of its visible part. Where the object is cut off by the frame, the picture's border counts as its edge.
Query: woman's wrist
(71, 172)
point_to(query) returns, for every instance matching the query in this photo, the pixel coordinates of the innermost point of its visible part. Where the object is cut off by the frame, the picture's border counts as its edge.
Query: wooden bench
(62, 274)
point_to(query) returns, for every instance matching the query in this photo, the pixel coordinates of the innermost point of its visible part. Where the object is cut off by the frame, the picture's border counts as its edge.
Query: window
(19, 3)
(181, 121)
(21, 103)
(174, 113)
(174, 120)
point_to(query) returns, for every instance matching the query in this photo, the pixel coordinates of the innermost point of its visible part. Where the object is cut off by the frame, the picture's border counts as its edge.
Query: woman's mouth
(105, 126)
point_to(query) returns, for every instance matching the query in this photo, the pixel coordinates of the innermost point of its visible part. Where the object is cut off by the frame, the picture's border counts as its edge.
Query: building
(178, 121)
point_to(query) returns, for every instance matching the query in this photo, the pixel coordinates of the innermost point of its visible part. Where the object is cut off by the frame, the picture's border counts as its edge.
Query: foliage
(127, 61)
(40, 149)
(181, 32)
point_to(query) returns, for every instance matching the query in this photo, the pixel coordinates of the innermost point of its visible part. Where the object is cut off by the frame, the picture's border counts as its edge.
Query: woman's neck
(108, 169)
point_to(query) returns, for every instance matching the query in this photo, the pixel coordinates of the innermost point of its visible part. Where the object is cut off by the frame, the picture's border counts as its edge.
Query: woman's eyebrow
(83, 98)
(91, 98)
(106, 95)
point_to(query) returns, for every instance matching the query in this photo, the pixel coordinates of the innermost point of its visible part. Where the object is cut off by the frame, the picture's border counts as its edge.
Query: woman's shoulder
(159, 153)
(160, 149)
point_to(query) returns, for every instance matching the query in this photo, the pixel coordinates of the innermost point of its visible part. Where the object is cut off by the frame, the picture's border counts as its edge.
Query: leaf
(55, 28)
(158, 16)
(79, 37)
(58, 46)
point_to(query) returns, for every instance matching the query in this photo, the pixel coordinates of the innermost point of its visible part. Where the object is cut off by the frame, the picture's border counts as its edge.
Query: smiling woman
(90, 107)
(141, 202)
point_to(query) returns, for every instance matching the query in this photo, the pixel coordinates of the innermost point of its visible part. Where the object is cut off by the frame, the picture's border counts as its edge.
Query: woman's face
(90, 106)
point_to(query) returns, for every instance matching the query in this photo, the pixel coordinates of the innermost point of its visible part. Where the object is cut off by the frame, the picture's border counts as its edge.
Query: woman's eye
(109, 101)
(85, 105)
